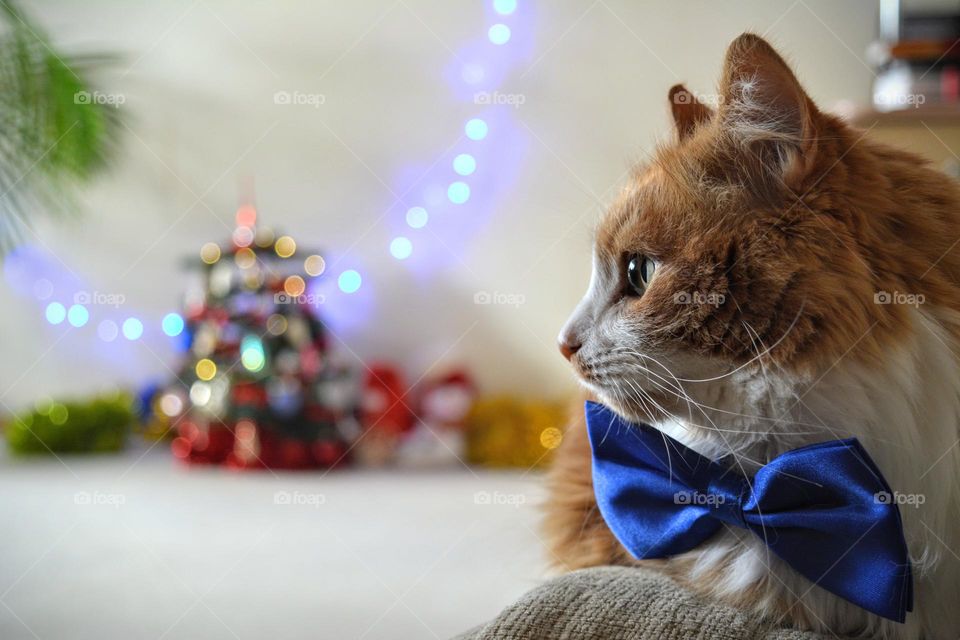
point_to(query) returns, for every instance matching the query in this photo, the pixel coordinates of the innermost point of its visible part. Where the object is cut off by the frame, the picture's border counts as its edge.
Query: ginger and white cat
(769, 280)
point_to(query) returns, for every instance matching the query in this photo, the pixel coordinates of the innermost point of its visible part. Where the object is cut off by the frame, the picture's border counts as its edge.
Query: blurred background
(281, 285)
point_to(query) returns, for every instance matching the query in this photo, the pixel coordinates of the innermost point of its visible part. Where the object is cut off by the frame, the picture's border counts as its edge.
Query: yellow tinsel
(505, 431)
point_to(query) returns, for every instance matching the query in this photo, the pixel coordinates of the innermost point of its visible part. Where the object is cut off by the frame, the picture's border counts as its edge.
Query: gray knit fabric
(620, 603)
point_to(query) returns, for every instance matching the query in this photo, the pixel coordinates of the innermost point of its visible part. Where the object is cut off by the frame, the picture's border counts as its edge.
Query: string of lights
(31, 272)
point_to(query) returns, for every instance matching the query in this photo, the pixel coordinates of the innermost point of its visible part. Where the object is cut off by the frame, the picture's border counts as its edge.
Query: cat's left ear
(688, 112)
(767, 114)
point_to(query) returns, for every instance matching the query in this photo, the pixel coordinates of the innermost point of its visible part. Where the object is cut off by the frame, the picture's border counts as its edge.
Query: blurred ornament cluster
(258, 387)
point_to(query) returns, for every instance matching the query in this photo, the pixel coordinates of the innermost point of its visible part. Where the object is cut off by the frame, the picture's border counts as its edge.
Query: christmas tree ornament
(254, 391)
(437, 439)
(384, 416)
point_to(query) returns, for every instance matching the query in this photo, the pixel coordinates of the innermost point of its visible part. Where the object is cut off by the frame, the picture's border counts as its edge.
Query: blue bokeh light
(476, 129)
(499, 34)
(172, 324)
(401, 248)
(417, 217)
(56, 313)
(505, 7)
(458, 192)
(349, 281)
(78, 315)
(472, 73)
(132, 329)
(42, 289)
(107, 330)
(252, 355)
(464, 164)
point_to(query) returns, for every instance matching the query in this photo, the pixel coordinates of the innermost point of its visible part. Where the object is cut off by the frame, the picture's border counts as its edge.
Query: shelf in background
(943, 115)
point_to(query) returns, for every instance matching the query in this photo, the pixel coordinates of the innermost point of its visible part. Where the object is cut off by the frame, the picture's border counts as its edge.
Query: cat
(773, 278)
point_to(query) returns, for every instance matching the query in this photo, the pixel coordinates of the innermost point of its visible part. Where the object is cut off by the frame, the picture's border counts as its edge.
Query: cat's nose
(568, 345)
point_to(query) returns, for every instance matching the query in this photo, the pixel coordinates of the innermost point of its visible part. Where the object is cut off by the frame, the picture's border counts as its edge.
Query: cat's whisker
(640, 396)
(816, 428)
(753, 359)
(677, 391)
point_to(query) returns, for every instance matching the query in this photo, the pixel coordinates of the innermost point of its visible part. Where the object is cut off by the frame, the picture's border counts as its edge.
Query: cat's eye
(640, 270)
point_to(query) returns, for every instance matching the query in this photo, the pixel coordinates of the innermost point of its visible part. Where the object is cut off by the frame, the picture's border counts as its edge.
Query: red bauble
(294, 454)
(382, 402)
(180, 448)
(329, 453)
(188, 431)
(250, 394)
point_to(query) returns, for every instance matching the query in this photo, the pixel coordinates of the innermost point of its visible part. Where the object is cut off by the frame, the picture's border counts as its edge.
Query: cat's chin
(624, 407)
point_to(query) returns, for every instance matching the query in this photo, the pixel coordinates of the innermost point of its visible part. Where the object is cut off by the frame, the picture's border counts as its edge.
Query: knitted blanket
(620, 603)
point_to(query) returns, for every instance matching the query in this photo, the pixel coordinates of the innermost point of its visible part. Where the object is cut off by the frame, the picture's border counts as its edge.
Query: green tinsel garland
(93, 426)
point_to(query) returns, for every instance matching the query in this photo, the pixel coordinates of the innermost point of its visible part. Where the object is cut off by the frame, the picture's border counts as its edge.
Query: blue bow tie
(825, 509)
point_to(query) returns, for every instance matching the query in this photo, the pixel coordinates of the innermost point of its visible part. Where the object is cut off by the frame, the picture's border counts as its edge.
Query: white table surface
(143, 547)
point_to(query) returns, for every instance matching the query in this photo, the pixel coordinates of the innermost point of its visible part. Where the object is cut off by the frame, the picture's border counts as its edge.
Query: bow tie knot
(725, 495)
(815, 507)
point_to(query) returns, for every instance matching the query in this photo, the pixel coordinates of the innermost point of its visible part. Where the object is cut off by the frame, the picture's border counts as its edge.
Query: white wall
(199, 79)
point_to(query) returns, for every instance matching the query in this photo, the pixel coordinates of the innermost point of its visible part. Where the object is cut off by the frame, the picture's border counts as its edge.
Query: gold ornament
(506, 431)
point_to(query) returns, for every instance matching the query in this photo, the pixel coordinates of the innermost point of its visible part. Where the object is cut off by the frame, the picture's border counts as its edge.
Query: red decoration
(438, 438)
(382, 403)
(445, 401)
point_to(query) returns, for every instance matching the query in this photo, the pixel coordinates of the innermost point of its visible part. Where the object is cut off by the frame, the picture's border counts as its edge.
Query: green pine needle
(52, 136)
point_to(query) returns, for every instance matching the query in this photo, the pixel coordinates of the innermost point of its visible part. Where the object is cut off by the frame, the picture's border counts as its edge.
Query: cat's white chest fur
(906, 412)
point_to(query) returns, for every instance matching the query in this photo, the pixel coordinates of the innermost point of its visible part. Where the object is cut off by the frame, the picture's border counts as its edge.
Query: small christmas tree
(258, 389)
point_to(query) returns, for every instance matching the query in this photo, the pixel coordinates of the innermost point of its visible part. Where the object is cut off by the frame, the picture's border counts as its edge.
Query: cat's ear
(770, 120)
(688, 111)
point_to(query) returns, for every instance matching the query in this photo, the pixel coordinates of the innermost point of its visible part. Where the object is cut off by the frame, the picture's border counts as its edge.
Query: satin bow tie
(825, 509)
